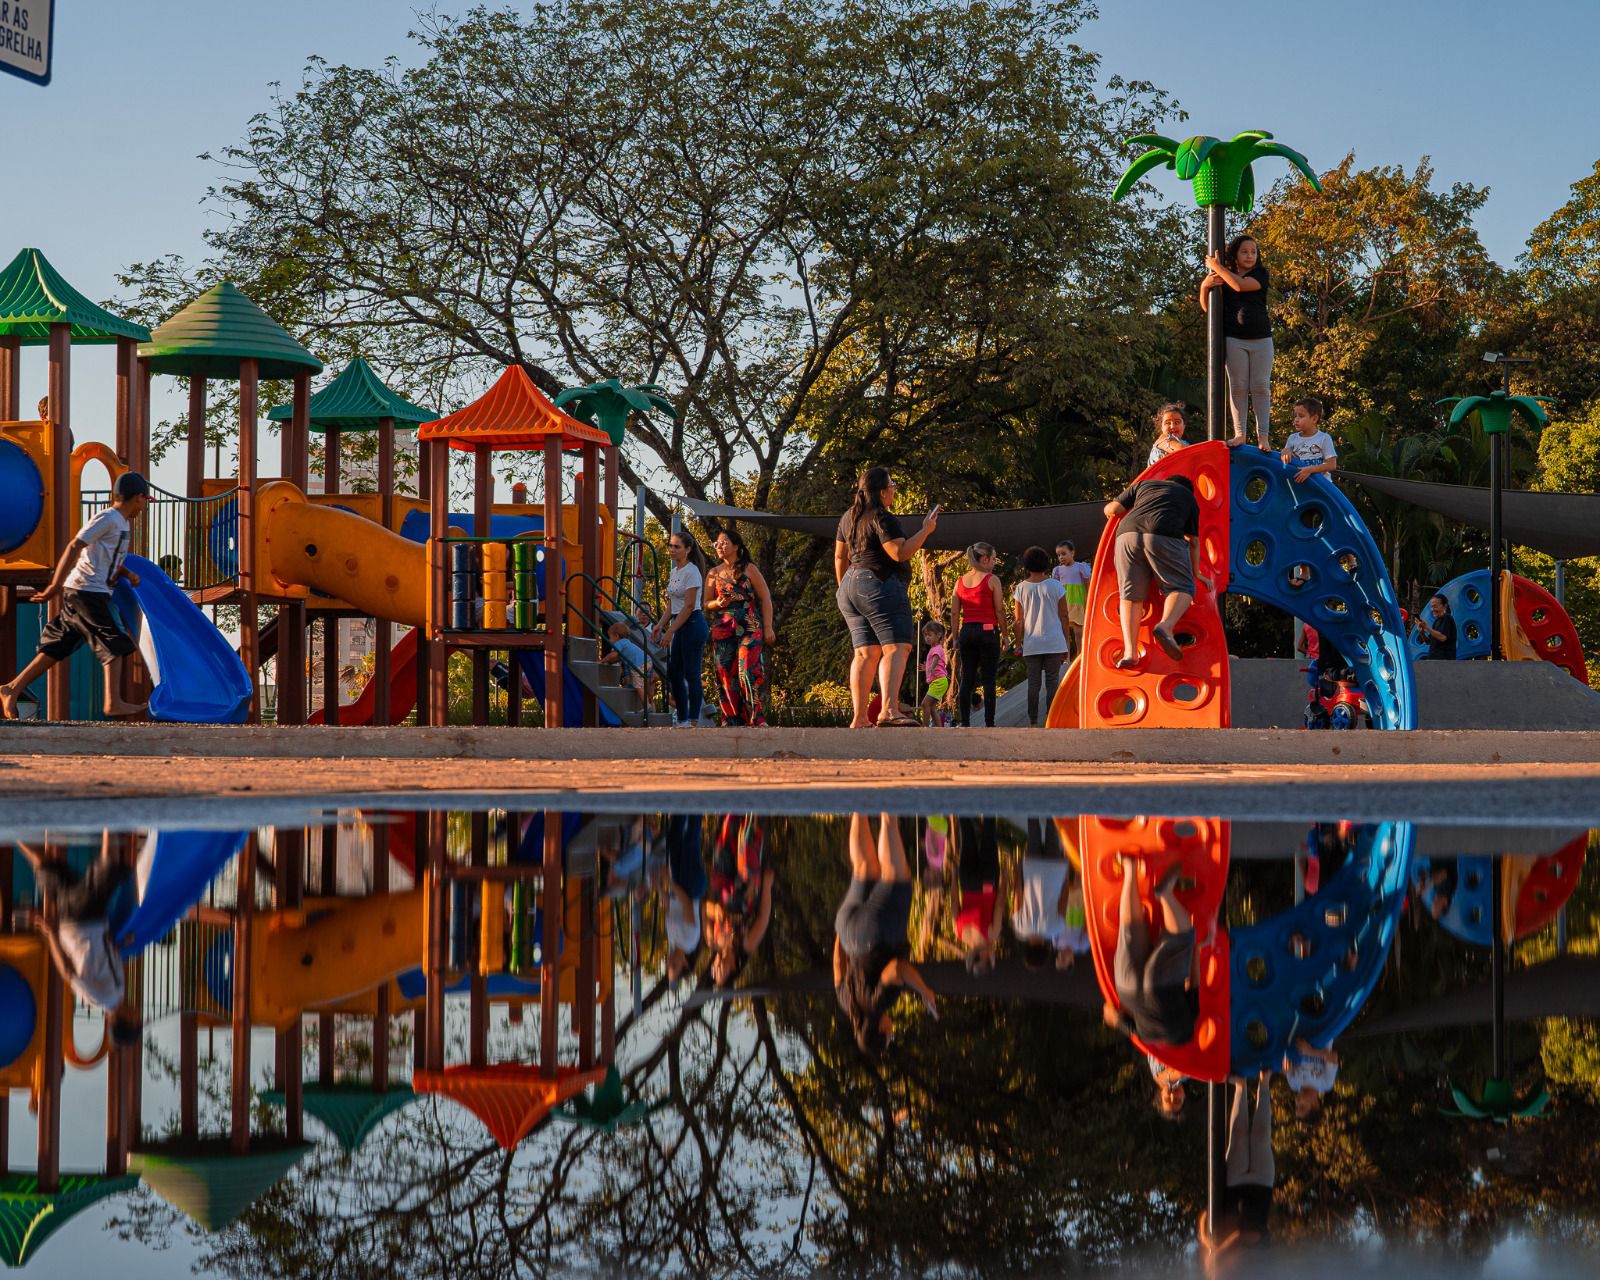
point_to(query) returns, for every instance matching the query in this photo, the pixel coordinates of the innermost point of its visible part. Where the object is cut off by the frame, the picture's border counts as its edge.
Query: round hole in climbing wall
(1255, 488)
(1311, 517)
(1553, 642)
(1473, 880)
(1539, 614)
(1255, 1032)
(1255, 553)
(1313, 1005)
(1300, 575)
(1334, 607)
(1472, 631)
(1349, 562)
(1257, 971)
(1473, 595)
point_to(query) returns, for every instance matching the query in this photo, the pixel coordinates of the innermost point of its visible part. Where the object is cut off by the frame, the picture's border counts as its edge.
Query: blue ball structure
(1471, 604)
(1305, 550)
(16, 1027)
(1305, 973)
(21, 496)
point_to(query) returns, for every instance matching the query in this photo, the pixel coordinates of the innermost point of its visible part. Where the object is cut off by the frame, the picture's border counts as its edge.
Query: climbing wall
(1533, 623)
(1305, 972)
(1200, 847)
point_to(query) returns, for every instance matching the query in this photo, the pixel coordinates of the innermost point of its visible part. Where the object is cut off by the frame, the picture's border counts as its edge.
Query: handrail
(598, 626)
(646, 548)
(194, 540)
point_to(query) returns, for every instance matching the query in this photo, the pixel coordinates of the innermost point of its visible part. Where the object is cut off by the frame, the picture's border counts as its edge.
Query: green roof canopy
(349, 1111)
(357, 400)
(33, 296)
(208, 1182)
(29, 1217)
(210, 336)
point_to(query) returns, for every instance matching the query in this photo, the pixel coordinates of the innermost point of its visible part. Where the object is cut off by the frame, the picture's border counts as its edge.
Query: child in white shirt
(1309, 445)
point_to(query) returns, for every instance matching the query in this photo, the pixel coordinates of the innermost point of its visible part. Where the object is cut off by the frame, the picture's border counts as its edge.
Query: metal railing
(620, 602)
(194, 540)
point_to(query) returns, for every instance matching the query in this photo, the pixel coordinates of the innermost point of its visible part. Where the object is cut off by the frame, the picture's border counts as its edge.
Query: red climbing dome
(1536, 888)
(1200, 847)
(1190, 693)
(1545, 627)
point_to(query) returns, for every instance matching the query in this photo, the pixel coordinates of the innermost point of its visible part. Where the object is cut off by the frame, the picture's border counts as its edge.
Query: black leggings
(980, 656)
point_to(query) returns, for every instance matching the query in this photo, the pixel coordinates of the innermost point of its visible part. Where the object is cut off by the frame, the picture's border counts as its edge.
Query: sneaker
(685, 724)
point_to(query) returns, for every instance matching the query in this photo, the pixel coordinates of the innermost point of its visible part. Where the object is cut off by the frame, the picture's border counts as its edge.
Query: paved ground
(93, 774)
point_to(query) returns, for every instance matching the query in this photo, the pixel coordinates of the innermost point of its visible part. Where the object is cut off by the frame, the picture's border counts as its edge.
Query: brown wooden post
(8, 631)
(380, 1021)
(327, 881)
(550, 945)
(291, 664)
(482, 500)
(589, 549)
(249, 620)
(588, 963)
(478, 986)
(189, 1074)
(289, 855)
(142, 417)
(383, 630)
(424, 648)
(50, 1084)
(10, 379)
(243, 925)
(330, 625)
(555, 604)
(196, 436)
(438, 700)
(58, 684)
(127, 359)
(438, 942)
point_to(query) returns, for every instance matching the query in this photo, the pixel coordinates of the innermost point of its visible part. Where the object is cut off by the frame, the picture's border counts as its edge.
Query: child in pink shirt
(936, 674)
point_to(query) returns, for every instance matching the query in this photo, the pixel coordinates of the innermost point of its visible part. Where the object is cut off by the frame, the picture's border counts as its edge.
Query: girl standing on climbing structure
(1242, 282)
(740, 607)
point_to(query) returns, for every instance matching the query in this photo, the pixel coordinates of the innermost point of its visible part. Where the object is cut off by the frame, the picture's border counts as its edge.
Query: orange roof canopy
(508, 1097)
(512, 414)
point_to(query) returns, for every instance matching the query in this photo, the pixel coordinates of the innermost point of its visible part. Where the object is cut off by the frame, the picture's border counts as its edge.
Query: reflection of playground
(522, 930)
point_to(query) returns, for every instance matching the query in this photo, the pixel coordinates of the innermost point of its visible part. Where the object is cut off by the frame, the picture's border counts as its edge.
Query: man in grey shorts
(1158, 539)
(1155, 985)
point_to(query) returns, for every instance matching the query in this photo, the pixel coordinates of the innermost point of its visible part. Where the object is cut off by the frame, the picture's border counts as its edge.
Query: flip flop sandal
(1168, 644)
(1127, 664)
(898, 722)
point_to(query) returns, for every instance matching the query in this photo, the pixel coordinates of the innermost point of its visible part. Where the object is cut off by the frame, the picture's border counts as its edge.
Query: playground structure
(1533, 625)
(1299, 547)
(1520, 892)
(472, 580)
(518, 925)
(1301, 973)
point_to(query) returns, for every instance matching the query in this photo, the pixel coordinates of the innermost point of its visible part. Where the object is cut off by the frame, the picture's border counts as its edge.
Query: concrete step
(660, 719)
(596, 675)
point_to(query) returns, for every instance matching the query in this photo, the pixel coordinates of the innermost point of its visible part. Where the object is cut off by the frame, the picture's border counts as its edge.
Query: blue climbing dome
(1471, 604)
(1305, 972)
(1303, 549)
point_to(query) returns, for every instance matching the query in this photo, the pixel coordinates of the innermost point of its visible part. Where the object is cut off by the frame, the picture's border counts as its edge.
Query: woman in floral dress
(739, 607)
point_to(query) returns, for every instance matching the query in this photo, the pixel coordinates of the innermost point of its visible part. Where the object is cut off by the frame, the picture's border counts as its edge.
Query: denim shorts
(877, 610)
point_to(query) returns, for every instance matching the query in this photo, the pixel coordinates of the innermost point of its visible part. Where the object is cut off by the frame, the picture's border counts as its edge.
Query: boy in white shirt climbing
(1309, 445)
(88, 571)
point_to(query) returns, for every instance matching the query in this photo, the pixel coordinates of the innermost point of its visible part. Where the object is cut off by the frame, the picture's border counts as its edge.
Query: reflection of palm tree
(608, 405)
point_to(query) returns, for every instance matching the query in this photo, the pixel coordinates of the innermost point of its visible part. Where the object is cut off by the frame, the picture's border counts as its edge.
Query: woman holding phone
(872, 563)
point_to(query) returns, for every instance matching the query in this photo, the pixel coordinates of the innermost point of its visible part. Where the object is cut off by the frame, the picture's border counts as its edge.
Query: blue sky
(1499, 95)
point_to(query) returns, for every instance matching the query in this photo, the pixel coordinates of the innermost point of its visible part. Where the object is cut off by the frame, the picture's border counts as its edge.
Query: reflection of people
(81, 939)
(1156, 985)
(1170, 1093)
(686, 892)
(1247, 1200)
(982, 905)
(739, 906)
(1310, 1073)
(871, 950)
(1443, 876)
(1043, 897)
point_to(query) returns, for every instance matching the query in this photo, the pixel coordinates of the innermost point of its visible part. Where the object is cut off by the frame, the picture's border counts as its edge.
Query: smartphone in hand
(937, 508)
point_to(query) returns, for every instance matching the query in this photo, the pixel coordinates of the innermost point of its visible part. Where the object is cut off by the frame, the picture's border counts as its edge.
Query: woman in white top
(683, 628)
(1040, 604)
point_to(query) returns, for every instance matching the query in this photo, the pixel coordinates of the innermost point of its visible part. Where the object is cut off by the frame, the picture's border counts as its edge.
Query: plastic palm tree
(1498, 1103)
(1221, 177)
(1218, 171)
(608, 405)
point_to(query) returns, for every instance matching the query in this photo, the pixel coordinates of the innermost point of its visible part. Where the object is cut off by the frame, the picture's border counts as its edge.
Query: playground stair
(604, 680)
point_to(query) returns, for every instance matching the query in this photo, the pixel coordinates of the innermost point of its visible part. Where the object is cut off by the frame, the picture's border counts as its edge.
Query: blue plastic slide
(174, 870)
(532, 663)
(198, 676)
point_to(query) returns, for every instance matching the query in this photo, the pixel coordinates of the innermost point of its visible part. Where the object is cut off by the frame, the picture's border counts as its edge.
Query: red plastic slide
(402, 688)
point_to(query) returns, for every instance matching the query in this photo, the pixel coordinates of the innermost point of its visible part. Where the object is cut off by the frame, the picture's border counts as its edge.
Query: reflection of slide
(532, 663)
(174, 869)
(402, 688)
(197, 675)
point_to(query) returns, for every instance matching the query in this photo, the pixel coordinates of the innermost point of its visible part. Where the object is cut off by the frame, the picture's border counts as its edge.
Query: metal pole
(1561, 583)
(1494, 546)
(638, 549)
(1216, 345)
(1216, 1151)
(1497, 976)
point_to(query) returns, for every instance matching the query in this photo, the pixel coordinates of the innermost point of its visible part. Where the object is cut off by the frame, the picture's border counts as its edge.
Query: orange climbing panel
(508, 1097)
(1200, 847)
(1064, 706)
(1533, 625)
(1191, 692)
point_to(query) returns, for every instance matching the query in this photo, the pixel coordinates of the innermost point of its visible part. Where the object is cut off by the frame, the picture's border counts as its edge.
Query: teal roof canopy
(357, 400)
(29, 1216)
(209, 337)
(350, 1112)
(34, 296)
(208, 1182)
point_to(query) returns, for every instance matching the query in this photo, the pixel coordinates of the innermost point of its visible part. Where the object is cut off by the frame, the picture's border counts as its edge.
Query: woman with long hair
(872, 563)
(871, 946)
(683, 628)
(740, 608)
(1241, 281)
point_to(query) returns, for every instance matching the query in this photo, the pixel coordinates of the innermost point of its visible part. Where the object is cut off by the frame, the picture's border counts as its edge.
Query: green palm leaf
(1154, 159)
(1264, 148)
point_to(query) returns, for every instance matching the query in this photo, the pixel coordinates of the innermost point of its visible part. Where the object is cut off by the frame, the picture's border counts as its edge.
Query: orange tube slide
(301, 548)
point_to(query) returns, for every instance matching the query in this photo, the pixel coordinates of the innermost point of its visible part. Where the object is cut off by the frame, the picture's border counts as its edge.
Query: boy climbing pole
(88, 571)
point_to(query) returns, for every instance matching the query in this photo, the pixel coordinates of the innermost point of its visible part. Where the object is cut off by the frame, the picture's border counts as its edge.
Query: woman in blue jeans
(683, 627)
(872, 562)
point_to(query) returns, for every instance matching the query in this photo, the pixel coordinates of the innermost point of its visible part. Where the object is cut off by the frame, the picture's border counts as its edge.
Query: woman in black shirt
(872, 562)
(1440, 634)
(1247, 331)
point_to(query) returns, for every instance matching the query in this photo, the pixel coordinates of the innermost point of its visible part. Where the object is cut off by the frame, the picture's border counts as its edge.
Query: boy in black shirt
(1159, 517)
